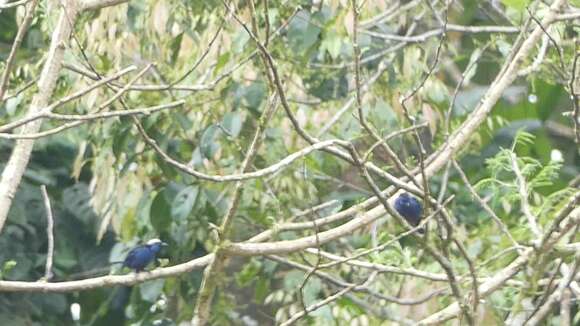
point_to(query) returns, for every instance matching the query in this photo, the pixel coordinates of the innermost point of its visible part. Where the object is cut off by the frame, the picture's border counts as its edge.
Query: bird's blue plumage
(141, 256)
(410, 208)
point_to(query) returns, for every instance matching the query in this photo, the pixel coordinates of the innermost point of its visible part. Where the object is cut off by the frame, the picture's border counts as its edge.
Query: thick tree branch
(18, 161)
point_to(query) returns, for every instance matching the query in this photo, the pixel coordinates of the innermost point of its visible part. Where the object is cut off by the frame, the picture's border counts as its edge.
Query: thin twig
(441, 259)
(484, 205)
(50, 234)
(523, 190)
(556, 295)
(441, 31)
(294, 318)
(20, 90)
(574, 95)
(81, 119)
(38, 114)
(358, 97)
(388, 243)
(30, 8)
(556, 45)
(13, 4)
(314, 268)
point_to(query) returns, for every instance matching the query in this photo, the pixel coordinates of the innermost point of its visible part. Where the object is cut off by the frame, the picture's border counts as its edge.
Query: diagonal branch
(18, 161)
(30, 8)
(485, 289)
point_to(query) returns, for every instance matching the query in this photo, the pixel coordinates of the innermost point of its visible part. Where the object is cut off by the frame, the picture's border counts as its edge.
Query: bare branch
(388, 243)
(556, 295)
(79, 119)
(565, 311)
(19, 90)
(30, 8)
(294, 318)
(106, 281)
(50, 234)
(485, 289)
(272, 169)
(20, 156)
(42, 113)
(484, 205)
(574, 96)
(440, 31)
(13, 4)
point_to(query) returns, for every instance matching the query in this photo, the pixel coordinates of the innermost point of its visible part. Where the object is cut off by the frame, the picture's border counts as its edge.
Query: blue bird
(141, 256)
(410, 208)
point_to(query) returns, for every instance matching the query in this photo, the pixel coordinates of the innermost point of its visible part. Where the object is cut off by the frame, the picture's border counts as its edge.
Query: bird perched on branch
(141, 256)
(410, 208)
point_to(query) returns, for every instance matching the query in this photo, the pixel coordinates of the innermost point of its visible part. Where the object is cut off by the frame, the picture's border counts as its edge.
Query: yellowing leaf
(518, 5)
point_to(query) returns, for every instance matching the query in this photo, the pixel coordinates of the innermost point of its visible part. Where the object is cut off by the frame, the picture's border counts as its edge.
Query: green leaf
(12, 104)
(196, 158)
(167, 169)
(262, 289)
(240, 41)
(120, 140)
(175, 46)
(503, 47)
(184, 202)
(328, 86)
(475, 56)
(332, 43)
(255, 94)
(151, 290)
(248, 274)
(7, 267)
(232, 123)
(323, 312)
(311, 290)
(128, 225)
(293, 280)
(301, 33)
(160, 212)
(221, 62)
(208, 144)
(523, 138)
(436, 91)
(475, 248)
(518, 5)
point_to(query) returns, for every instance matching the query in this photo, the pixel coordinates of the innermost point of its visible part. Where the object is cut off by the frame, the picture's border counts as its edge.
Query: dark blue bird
(139, 257)
(410, 208)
